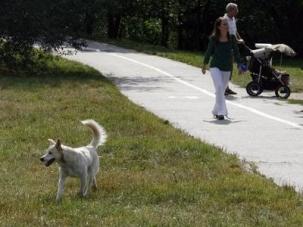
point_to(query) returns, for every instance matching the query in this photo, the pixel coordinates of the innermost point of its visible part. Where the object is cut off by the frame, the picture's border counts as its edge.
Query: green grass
(296, 101)
(151, 174)
(292, 66)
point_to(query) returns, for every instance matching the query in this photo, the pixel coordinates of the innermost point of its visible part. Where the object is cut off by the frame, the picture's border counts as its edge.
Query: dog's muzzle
(48, 162)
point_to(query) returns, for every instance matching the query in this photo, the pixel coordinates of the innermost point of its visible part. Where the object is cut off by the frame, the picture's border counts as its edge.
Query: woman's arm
(208, 53)
(237, 56)
(239, 39)
(236, 50)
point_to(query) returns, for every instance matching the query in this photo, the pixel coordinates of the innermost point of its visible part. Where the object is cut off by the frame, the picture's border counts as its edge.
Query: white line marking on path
(191, 97)
(252, 110)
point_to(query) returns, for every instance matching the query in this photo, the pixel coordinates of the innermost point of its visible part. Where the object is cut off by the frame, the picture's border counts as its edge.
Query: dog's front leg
(60, 185)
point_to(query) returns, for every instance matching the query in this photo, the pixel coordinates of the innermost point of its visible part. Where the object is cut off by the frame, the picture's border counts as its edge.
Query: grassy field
(292, 66)
(151, 174)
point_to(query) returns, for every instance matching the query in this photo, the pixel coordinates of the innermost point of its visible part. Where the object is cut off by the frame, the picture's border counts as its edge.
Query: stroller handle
(247, 47)
(263, 45)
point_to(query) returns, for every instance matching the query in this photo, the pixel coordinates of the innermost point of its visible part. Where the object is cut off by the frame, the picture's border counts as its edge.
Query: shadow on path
(139, 83)
(222, 122)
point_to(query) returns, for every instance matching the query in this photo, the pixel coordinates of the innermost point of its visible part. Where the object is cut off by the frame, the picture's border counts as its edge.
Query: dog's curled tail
(99, 133)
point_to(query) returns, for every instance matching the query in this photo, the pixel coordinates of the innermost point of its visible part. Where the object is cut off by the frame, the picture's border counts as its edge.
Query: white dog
(82, 162)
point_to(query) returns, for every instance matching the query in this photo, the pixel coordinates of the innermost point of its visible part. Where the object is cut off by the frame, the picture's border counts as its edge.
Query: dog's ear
(58, 145)
(60, 150)
(51, 141)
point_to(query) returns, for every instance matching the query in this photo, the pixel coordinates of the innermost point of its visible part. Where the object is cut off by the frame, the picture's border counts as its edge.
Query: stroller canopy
(282, 48)
(266, 49)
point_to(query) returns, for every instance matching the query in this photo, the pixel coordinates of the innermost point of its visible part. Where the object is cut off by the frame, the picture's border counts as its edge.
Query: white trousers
(220, 79)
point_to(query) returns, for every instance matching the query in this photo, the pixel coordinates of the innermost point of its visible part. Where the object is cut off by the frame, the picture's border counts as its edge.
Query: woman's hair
(216, 32)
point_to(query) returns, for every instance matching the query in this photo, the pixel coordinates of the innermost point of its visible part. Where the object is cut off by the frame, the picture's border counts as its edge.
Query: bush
(143, 30)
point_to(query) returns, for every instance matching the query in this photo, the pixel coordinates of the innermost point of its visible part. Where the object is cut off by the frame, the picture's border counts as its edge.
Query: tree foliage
(174, 23)
(187, 24)
(179, 24)
(48, 23)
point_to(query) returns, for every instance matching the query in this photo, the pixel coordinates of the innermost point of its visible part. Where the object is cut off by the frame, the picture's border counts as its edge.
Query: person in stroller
(264, 76)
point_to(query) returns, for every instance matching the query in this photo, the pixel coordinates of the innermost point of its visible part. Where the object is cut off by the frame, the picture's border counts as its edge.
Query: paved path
(264, 130)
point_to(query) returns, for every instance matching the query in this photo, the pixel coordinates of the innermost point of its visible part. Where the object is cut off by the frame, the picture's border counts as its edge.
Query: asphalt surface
(264, 130)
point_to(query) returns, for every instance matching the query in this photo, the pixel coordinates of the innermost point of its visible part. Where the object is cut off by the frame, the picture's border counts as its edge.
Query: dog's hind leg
(92, 178)
(60, 185)
(94, 186)
(84, 181)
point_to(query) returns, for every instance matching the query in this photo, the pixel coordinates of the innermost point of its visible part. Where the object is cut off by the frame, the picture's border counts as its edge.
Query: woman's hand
(240, 41)
(203, 69)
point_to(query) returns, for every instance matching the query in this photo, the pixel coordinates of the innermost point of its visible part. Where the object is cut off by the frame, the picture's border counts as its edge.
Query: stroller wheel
(254, 89)
(282, 92)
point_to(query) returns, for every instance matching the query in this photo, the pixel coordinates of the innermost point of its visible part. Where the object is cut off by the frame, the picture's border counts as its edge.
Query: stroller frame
(265, 77)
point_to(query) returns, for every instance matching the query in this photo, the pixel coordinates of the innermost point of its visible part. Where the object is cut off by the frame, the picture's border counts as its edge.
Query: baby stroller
(264, 76)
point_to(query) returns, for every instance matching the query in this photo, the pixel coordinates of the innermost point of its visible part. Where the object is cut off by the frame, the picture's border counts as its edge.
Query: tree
(273, 21)
(23, 23)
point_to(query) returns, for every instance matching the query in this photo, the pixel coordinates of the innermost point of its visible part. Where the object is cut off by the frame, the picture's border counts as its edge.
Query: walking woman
(220, 49)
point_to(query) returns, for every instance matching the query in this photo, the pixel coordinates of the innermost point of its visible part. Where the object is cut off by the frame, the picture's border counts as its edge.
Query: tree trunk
(89, 24)
(180, 44)
(113, 25)
(198, 28)
(164, 31)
